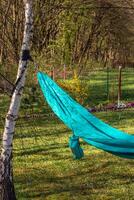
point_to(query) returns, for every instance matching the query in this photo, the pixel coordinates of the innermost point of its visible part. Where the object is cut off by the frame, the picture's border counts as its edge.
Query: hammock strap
(25, 56)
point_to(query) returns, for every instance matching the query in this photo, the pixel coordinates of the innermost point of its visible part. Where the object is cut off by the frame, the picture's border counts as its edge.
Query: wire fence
(103, 94)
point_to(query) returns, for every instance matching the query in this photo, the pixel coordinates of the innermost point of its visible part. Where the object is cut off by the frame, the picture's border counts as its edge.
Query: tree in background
(74, 33)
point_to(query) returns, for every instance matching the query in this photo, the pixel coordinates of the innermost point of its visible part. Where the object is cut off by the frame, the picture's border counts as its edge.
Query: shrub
(78, 89)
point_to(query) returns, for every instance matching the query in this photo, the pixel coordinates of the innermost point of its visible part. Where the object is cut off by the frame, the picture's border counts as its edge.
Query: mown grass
(43, 165)
(98, 86)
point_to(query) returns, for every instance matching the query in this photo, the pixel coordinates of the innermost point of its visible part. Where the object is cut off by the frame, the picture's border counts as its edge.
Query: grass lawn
(44, 168)
(43, 165)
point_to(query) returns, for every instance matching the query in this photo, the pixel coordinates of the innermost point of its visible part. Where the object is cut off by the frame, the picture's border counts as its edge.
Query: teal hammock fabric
(83, 124)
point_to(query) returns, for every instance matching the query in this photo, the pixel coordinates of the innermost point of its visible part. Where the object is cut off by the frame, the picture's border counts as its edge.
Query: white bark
(16, 97)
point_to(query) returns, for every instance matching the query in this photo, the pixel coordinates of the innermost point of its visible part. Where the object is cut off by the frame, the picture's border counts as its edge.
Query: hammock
(83, 124)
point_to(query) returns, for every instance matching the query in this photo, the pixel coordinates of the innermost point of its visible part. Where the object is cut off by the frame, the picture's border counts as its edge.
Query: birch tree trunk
(7, 191)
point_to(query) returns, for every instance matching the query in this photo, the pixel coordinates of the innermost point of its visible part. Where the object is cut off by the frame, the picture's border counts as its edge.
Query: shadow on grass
(76, 182)
(46, 150)
(37, 133)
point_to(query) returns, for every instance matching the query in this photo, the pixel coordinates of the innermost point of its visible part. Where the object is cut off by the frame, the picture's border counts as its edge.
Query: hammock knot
(75, 147)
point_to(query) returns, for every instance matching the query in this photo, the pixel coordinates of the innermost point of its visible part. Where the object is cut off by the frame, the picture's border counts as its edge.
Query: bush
(78, 89)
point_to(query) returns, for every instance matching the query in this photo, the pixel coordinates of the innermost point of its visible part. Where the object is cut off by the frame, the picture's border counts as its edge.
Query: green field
(43, 165)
